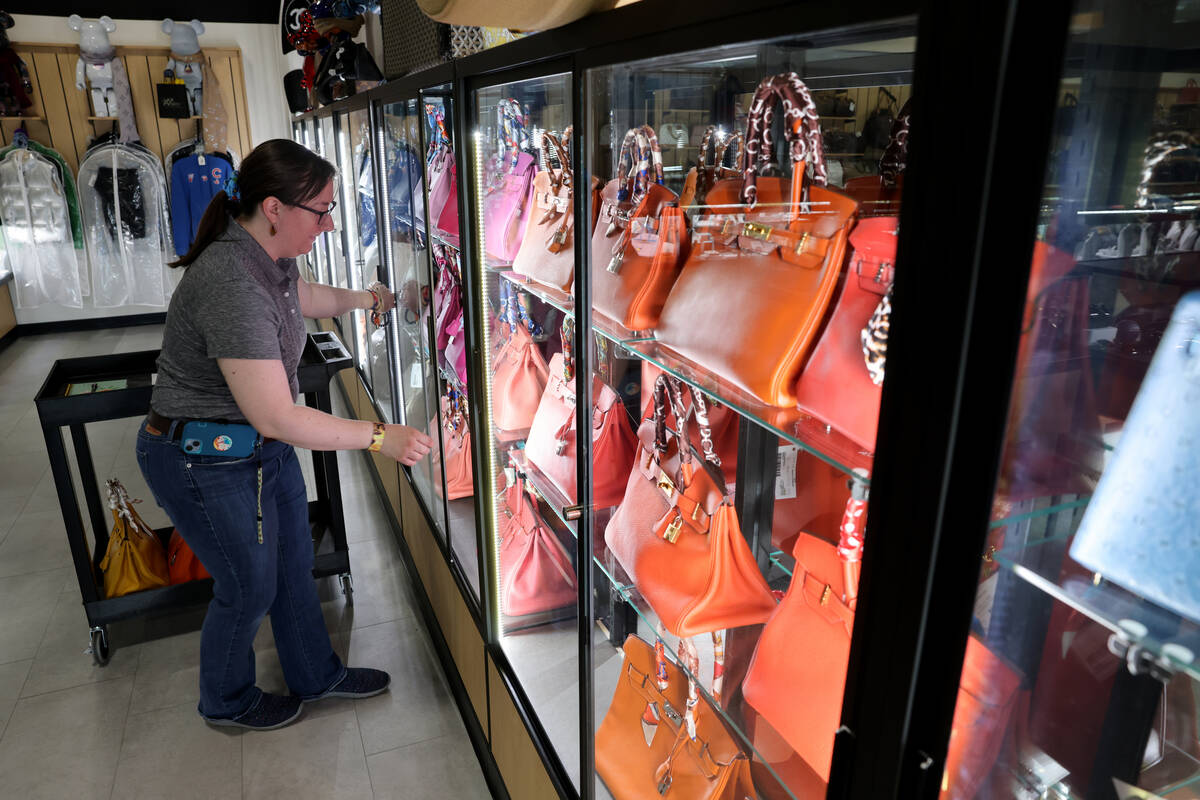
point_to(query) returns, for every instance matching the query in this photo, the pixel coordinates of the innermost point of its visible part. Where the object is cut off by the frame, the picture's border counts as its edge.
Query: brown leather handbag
(835, 386)
(689, 754)
(676, 534)
(547, 253)
(640, 237)
(703, 175)
(765, 259)
(880, 195)
(798, 673)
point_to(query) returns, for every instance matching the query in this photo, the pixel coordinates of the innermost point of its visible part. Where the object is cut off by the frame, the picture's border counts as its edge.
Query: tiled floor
(69, 729)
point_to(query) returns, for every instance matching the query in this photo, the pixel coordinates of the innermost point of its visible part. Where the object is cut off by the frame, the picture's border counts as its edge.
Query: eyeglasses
(320, 214)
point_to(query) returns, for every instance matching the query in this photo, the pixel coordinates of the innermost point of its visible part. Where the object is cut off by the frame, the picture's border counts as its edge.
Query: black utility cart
(323, 357)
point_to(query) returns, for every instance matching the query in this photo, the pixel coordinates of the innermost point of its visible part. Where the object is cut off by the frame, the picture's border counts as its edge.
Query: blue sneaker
(271, 711)
(358, 682)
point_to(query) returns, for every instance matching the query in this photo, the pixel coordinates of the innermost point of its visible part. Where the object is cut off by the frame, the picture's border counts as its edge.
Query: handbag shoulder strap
(802, 125)
(895, 156)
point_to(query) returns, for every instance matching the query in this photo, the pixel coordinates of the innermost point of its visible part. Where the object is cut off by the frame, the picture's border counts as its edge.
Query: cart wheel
(99, 646)
(347, 587)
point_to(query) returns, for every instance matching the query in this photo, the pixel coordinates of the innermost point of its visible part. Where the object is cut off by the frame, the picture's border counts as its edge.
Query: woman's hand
(406, 445)
(387, 298)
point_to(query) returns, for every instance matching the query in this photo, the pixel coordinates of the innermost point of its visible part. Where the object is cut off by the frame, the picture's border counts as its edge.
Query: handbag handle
(895, 155)
(639, 164)
(850, 537)
(510, 129)
(559, 148)
(803, 133)
(1158, 149)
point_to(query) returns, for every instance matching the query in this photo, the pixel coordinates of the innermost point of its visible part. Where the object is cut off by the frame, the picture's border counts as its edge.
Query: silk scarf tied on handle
(765, 258)
(640, 237)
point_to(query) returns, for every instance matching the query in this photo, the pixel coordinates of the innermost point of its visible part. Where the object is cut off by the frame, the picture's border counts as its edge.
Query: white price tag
(785, 471)
(200, 160)
(415, 378)
(985, 598)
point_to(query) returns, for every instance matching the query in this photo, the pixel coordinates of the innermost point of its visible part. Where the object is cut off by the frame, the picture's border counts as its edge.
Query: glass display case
(1079, 679)
(531, 527)
(351, 131)
(439, 179)
(744, 220)
(336, 245)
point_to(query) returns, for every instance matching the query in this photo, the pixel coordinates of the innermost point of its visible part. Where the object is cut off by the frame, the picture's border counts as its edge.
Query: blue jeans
(213, 502)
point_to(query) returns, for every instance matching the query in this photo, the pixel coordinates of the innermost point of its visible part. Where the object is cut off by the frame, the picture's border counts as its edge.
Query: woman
(231, 346)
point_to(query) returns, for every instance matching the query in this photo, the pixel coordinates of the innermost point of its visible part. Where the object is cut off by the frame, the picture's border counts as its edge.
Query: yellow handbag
(135, 559)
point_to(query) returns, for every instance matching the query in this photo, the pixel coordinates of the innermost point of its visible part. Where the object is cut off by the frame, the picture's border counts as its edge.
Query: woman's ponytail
(212, 224)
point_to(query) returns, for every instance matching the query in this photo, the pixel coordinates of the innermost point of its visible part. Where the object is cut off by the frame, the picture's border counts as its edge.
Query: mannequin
(185, 60)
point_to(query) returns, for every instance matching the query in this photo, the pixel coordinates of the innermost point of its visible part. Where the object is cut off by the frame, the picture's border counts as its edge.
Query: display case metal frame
(969, 197)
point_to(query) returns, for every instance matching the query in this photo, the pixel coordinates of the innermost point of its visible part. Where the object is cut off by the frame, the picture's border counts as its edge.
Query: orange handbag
(547, 253)
(765, 259)
(798, 673)
(535, 569)
(678, 537)
(836, 386)
(689, 754)
(456, 442)
(182, 564)
(518, 382)
(551, 443)
(987, 694)
(640, 237)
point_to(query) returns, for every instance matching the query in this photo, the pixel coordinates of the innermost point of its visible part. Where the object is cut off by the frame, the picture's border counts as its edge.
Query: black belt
(159, 425)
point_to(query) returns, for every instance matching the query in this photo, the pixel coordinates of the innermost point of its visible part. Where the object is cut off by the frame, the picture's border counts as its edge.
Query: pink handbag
(443, 191)
(547, 253)
(535, 569)
(509, 197)
(456, 441)
(552, 438)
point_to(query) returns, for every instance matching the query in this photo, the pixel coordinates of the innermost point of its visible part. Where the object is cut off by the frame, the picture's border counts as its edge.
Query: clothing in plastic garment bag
(37, 226)
(123, 197)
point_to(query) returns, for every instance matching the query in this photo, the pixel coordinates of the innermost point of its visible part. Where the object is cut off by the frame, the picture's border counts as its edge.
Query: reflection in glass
(349, 209)
(1087, 554)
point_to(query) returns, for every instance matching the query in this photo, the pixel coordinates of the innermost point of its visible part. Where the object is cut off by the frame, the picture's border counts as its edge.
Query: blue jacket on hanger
(193, 184)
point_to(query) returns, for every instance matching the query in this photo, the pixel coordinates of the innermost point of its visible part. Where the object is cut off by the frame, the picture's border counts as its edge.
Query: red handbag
(835, 386)
(678, 537)
(182, 564)
(535, 569)
(639, 241)
(798, 674)
(518, 382)
(765, 259)
(987, 694)
(551, 443)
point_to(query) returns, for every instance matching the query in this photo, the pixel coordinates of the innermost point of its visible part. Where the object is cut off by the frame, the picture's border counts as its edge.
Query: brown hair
(276, 168)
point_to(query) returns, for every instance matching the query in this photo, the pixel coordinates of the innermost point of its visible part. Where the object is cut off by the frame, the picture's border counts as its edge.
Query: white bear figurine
(95, 62)
(185, 59)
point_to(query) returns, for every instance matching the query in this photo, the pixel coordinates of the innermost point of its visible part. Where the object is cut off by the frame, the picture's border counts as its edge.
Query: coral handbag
(798, 673)
(134, 559)
(835, 386)
(678, 537)
(517, 385)
(552, 438)
(640, 237)
(509, 197)
(535, 569)
(765, 259)
(456, 443)
(182, 564)
(547, 253)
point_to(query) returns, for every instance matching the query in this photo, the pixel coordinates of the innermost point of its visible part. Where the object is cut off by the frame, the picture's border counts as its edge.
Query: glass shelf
(798, 428)
(546, 490)
(1161, 633)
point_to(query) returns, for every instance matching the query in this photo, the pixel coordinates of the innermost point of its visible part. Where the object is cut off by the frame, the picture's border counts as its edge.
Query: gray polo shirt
(233, 302)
